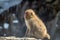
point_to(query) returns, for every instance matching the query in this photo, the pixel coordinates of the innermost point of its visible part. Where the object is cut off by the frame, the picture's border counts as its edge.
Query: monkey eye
(26, 12)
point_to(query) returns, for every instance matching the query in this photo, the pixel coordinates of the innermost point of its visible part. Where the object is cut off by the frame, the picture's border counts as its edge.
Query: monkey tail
(48, 36)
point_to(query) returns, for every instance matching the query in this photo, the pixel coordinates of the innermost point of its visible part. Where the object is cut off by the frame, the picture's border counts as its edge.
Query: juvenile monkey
(35, 27)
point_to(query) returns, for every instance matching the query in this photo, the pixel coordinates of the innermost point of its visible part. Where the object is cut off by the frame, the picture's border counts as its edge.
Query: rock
(15, 38)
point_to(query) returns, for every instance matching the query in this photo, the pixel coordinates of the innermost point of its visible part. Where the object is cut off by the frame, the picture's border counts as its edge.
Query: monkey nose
(26, 13)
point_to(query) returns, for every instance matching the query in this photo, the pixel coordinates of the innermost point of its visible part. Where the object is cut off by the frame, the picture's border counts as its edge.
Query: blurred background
(12, 12)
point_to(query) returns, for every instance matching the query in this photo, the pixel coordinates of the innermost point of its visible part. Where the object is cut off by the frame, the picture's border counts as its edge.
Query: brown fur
(35, 26)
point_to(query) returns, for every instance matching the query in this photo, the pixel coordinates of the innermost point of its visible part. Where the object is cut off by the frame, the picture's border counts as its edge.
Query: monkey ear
(31, 13)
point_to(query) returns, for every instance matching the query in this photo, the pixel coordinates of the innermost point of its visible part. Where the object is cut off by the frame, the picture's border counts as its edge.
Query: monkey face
(29, 14)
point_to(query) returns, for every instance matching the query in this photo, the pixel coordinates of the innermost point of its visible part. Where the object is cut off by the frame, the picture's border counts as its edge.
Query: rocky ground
(16, 38)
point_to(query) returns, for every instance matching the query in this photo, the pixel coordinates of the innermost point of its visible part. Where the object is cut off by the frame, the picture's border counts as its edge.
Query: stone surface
(15, 38)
